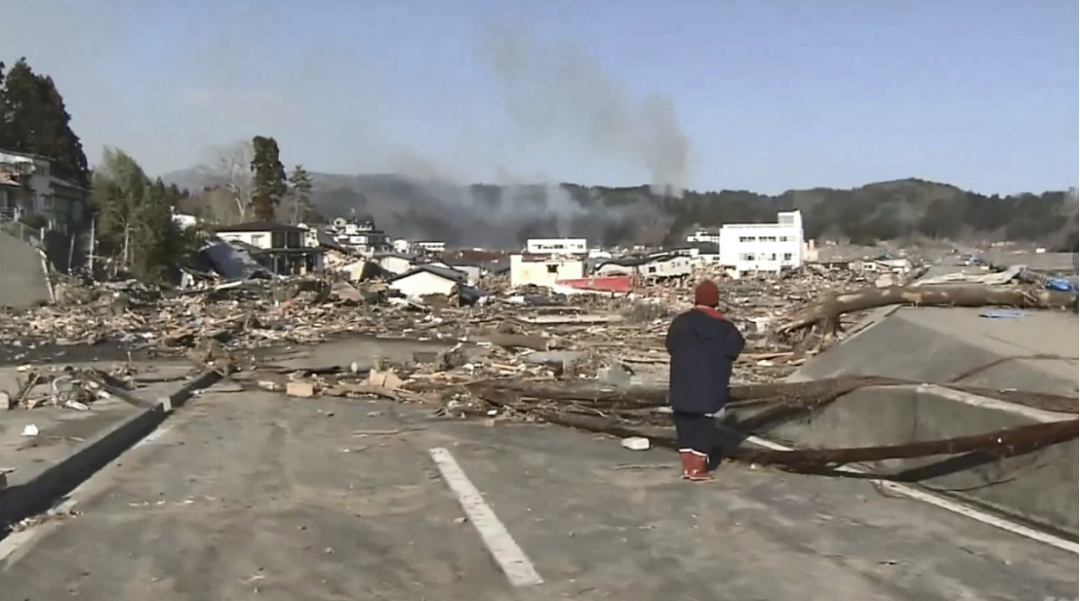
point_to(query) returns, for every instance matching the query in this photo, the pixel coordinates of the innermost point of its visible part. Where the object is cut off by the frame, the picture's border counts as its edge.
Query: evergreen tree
(301, 209)
(269, 185)
(36, 121)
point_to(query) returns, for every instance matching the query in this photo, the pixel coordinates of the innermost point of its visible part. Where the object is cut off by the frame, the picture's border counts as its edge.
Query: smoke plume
(556, 93)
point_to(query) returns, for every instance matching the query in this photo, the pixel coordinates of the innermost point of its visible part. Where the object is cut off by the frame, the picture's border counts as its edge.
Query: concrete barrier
(23, 278)
(36, 494)
(1038, 488)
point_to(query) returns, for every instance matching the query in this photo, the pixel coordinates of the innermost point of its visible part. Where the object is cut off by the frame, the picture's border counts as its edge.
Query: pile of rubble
(267, 313)
(617, 338)
(69, 387)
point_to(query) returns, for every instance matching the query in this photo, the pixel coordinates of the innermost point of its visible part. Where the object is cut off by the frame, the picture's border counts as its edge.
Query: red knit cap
(706, 294)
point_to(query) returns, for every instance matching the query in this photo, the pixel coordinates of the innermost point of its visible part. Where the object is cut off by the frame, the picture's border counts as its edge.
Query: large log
(813, 392)
(826, 312)
(741, 395)
(1001, 443)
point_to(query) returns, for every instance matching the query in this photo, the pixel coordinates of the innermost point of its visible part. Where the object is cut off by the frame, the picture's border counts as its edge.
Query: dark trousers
(695, 432)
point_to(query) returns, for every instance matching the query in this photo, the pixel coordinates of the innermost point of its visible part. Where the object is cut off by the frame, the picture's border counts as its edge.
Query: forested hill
(504, 215)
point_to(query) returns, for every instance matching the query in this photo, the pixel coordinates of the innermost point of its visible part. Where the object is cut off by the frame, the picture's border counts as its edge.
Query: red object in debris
(611, 283)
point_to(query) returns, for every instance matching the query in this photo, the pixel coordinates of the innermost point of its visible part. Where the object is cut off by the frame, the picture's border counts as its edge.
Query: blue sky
(769, 94)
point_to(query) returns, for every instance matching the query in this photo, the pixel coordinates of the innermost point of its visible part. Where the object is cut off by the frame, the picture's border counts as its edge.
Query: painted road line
(513, 561)
(941, 502)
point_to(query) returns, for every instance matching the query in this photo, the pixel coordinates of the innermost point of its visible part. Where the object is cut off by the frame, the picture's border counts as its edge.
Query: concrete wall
(1039, 487)
(23, 280)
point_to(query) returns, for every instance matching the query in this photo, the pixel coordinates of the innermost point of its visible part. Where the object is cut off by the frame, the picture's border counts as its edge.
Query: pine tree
(269, 179)
(36, 121)
(302, 209)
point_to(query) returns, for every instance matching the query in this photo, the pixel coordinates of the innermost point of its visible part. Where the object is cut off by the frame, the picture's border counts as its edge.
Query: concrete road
(256, 496)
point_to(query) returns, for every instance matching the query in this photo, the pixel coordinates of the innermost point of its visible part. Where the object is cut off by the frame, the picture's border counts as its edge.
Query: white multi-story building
(704, 237)
(556, 246)
(360, 235)
(431, 247)
(748, 247)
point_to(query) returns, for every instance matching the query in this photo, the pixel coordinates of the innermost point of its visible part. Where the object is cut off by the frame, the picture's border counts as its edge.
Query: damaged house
(652, 267)
(544, 270)
(473, 271)
(395, 263)
(281, 249)
(432, 280)
(547, 261)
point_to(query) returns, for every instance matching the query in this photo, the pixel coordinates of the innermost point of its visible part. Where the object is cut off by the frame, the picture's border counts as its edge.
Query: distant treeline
(883, 211)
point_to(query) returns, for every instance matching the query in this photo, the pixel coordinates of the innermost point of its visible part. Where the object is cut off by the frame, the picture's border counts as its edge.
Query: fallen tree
(631, 412)
(824, 315)
(1001, 443)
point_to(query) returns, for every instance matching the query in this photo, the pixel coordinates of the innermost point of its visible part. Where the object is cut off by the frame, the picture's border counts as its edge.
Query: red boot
(687, 463)
(698, 468)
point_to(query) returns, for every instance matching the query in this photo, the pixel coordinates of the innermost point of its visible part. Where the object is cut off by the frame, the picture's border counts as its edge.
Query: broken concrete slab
(1035, 353)
(1039, 487)
(364, 351)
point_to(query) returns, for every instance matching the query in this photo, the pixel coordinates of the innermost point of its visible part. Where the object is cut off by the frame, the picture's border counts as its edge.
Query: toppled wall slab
(1039, 487)
(23, 279)
(1033, 351)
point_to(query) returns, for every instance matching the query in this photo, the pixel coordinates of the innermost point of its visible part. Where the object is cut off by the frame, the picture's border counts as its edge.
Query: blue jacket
(703, 346)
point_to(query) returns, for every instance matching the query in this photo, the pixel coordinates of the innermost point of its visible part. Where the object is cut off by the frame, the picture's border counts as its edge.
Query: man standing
(703, 346)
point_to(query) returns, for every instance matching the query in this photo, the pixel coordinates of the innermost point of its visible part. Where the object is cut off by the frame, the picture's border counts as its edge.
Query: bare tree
(229, 169)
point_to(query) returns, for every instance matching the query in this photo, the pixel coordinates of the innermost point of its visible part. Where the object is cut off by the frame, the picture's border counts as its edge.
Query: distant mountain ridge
(492, 215)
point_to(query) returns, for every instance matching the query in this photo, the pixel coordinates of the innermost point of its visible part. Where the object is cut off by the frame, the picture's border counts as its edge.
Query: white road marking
(946, 504)
(513, 561)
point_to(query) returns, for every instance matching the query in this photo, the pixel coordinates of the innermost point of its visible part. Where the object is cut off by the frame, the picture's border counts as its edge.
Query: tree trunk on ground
(826, 313)
(1009, 442)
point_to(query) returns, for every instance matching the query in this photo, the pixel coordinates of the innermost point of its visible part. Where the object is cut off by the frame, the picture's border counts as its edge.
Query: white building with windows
(556, 246)
(431, 247)
(549, 260)
(359, 235)
(704, 237)
(750, 247)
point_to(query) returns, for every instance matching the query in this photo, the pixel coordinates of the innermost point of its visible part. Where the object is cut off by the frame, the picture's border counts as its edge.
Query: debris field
(593, 361)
